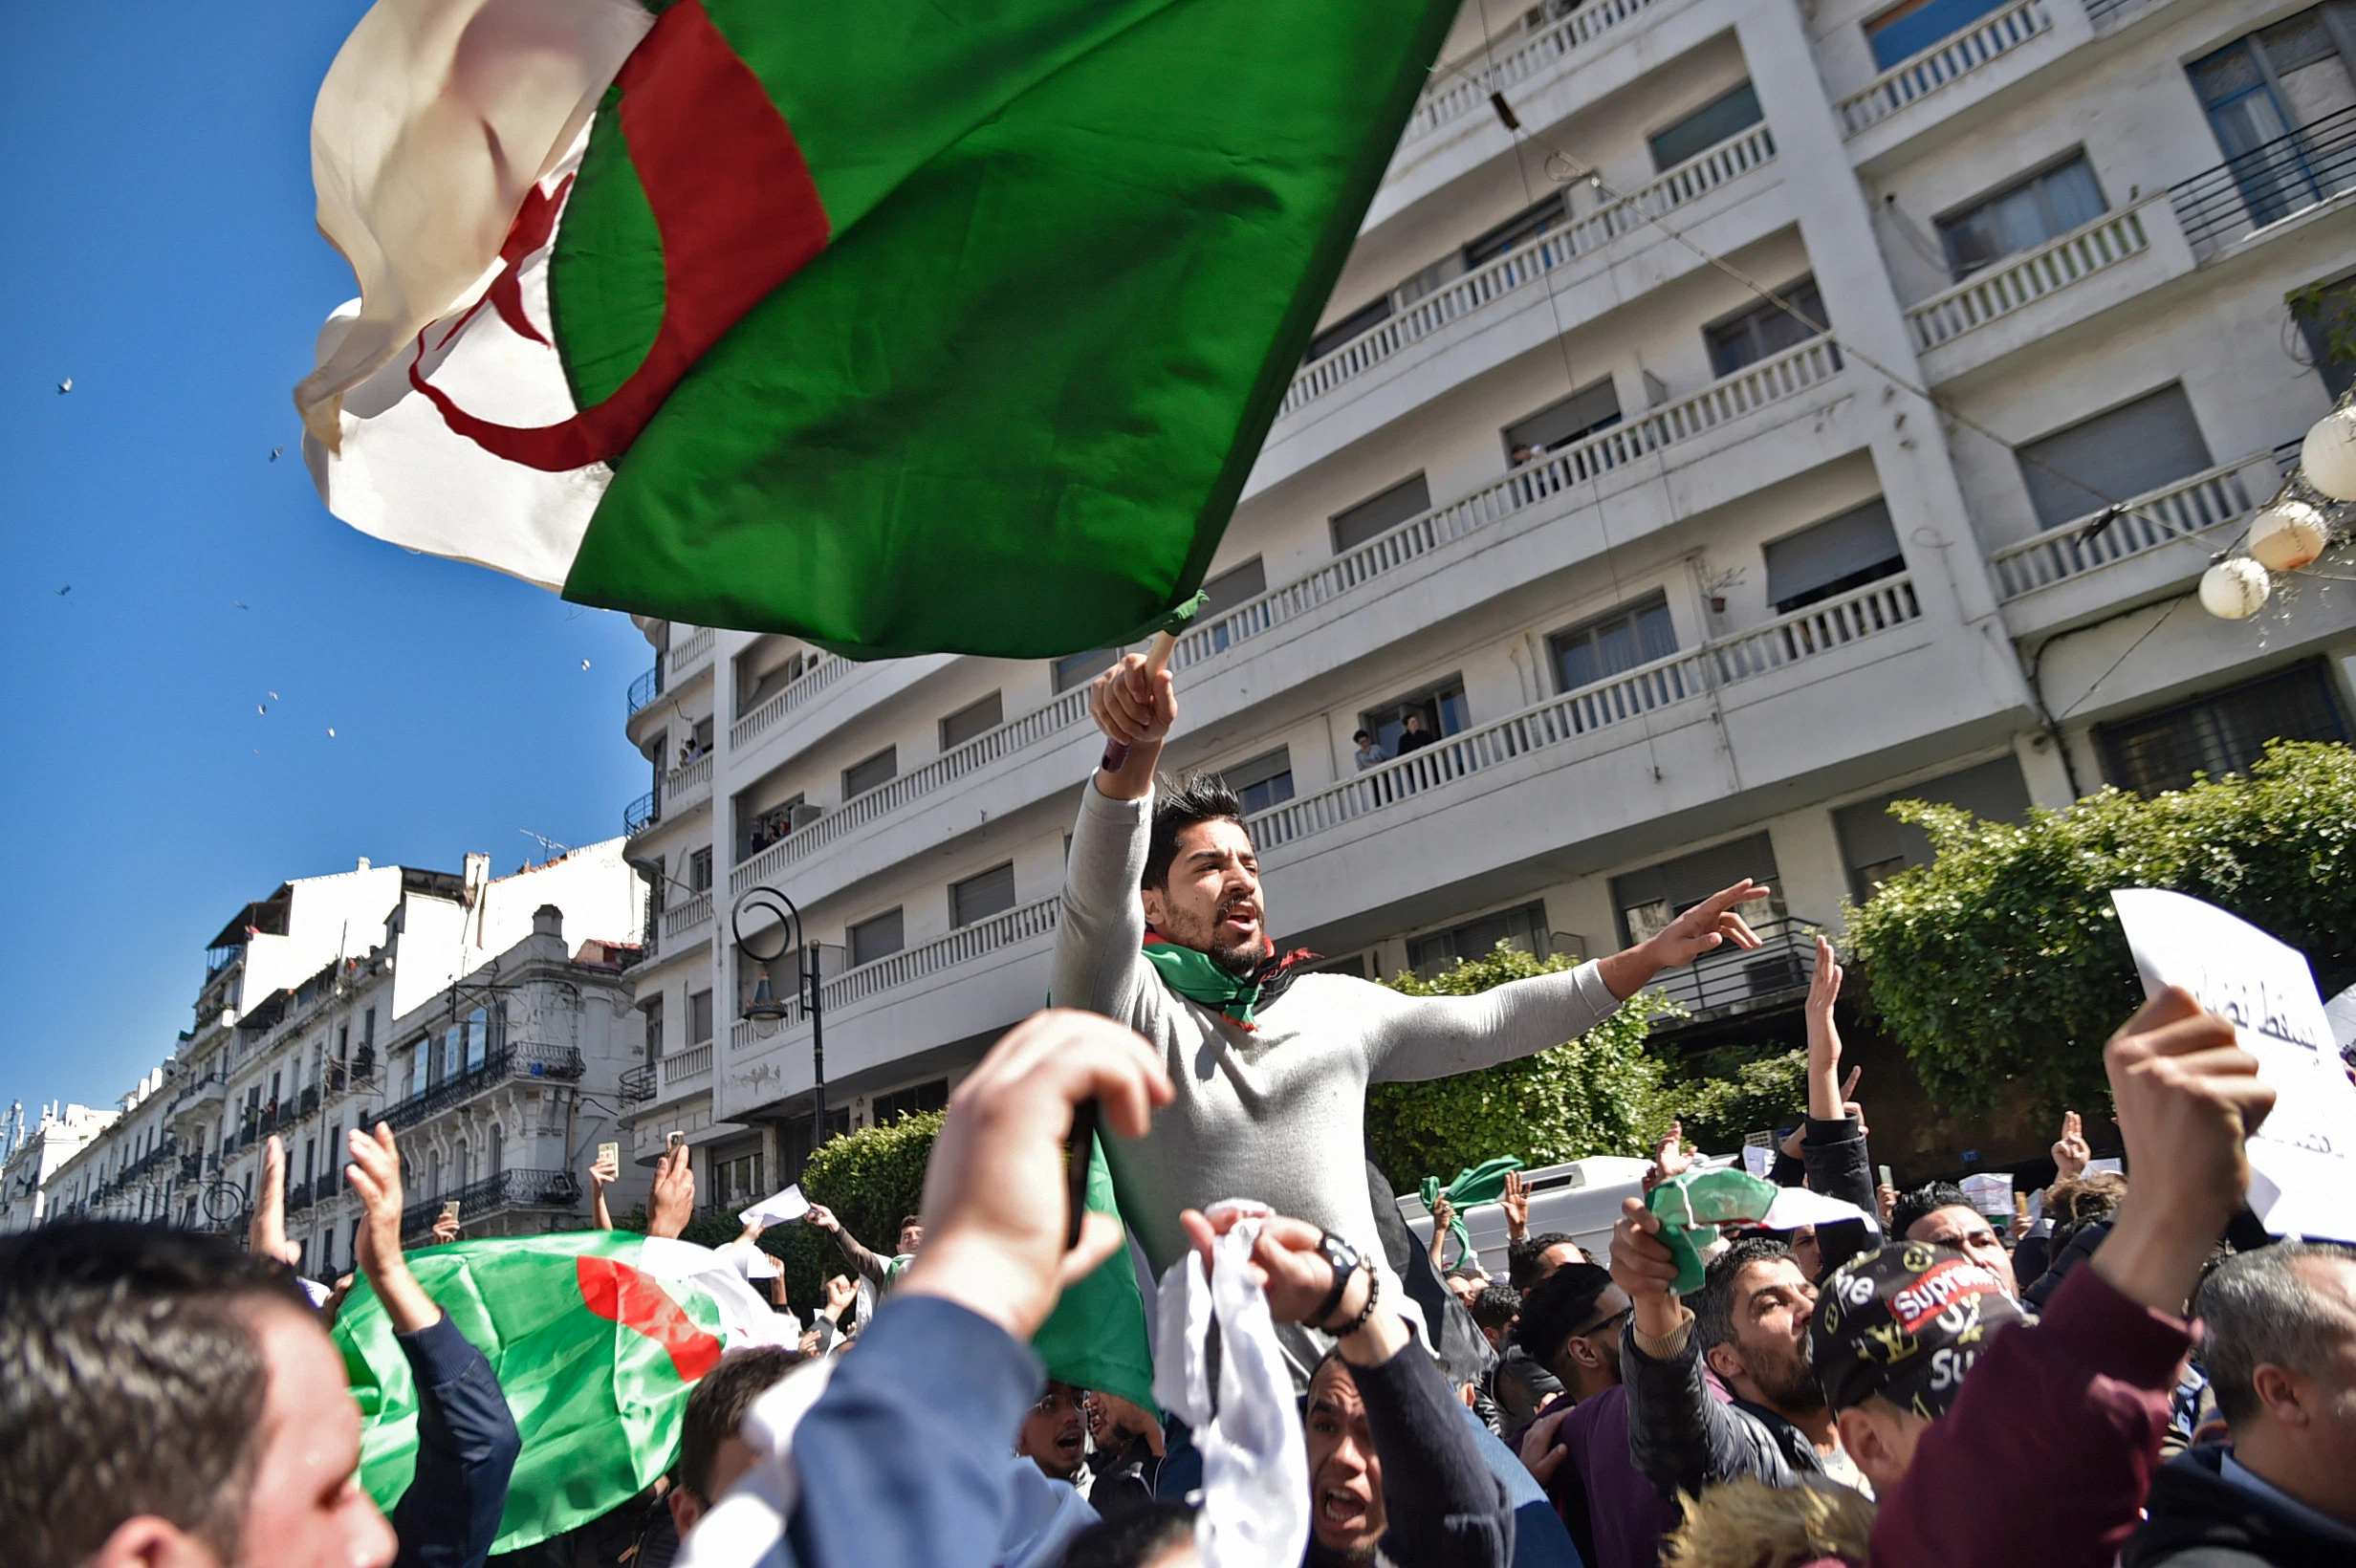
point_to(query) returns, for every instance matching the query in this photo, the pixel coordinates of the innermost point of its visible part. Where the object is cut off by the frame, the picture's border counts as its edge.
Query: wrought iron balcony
(642, 814)
(2273, 181)
(561, 1062)
(1730, 980)
(496, 1194)
(309, 1103)
(647, 688)
(637, 1084)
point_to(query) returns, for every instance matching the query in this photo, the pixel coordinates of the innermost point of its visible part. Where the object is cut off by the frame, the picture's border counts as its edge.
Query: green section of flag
(598, 1405)
(605, 277)
(1096, 1336)
(1078, 251)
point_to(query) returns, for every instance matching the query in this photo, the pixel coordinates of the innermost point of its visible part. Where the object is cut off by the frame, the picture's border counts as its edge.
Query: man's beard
(1241, 959)
(1787, 1381)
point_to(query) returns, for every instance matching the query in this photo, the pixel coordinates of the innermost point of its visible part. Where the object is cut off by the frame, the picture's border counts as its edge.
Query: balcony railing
(690, 651)
(823, 671)
(1418, 316)
(1460, 87)
(636, 1084)
(1947, 60)
(647, 688)
(641, 813)
(495, 1195)
(309, 1103)
(696, 1062)
(2274, 180)
(683, 786)
(561, 1062)
(1996, 292)
(686, 915)
(1727, 979)
(1748, 390)
(299, 1197)
(2187, 506)
(1681, 678)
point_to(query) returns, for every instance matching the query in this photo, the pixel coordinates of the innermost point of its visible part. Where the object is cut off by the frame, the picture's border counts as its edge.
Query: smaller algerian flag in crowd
(1096, 1336)
(902, 328)
(597, 1338)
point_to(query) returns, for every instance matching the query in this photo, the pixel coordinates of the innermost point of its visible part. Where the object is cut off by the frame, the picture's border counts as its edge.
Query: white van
(1579, 1198)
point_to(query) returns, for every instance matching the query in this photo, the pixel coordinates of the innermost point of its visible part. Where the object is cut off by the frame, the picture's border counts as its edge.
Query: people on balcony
(1414, 737)
(1370, 752)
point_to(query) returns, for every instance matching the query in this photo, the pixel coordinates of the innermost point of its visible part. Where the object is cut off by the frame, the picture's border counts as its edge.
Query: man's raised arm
(1104, 924)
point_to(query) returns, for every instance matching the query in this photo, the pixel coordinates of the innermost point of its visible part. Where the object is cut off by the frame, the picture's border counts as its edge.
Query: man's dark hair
(1713, 1308)
(1521, 1266)
(1928, 1199)
(1361, 735)
(135, 1384)
(1197, 798)
(716, 1407)
(1137, 1533)
(2257, 1309)
(1496, 1306)
(1558, 1307)
(906, 1220)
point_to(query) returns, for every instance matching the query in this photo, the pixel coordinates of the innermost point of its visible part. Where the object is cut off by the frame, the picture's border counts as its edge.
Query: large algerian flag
(906, 328)
(596, 1337)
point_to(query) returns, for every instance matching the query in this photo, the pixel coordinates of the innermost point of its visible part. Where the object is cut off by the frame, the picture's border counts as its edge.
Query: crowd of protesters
(2147, 1379)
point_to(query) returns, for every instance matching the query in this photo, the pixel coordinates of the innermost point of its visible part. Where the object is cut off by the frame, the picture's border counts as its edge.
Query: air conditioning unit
(801, 816)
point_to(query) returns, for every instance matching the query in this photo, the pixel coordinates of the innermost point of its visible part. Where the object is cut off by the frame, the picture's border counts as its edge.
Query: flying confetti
(584, 664)
(331, 732)
(65, 386)
(274, 452)
(239, 602)
(69, 588)
(273, 696)
(262, 708)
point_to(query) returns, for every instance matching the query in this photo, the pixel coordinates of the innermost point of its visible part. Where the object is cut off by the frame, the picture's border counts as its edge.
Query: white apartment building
(31, 1158)
(1688, 588)
(395, 994)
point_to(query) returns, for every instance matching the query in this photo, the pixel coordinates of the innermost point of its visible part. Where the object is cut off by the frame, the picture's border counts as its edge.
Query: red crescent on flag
(630, 1297)
(737, 211)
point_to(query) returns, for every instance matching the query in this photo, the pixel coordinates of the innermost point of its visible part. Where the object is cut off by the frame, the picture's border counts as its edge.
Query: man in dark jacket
(1579, 1446)
(2281, 1350)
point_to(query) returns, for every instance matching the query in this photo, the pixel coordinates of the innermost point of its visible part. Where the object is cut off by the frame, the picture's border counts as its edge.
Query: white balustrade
(690, 651)
(683, 786)
(686, 915)
(1459, 87)
(696, 1062)
(1947, 60)
(1996, 292)
(2206, 500)
(824, 670)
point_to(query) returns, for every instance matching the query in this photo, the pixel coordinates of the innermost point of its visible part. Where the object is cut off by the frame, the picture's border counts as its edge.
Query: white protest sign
(777, 1209)
(1759, 1162)
(2303, 1161)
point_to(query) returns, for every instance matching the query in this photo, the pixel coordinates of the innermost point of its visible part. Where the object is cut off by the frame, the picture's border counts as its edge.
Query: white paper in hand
(777, 1209)
(2303, 1161)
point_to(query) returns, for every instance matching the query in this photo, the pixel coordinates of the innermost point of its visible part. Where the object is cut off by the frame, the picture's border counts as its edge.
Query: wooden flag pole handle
(1085, 1117)
(1157, 659)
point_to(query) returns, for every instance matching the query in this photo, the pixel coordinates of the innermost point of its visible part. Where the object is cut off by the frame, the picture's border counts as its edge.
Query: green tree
(2001, 967)
(1604, 1092)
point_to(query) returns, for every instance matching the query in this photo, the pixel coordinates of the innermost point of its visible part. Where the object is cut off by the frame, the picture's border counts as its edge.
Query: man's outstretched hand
(672, 1202)
(1134, 709)
(374, 1175)
(1703, 929)
(993, 1207)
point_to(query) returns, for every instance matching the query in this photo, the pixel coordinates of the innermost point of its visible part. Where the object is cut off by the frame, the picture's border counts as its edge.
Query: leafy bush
(1765, 1092)
(2001, 967)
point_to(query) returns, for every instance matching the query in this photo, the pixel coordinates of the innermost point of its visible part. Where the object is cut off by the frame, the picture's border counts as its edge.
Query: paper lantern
(2287, 536)
(2328, 454)
(2234, 589)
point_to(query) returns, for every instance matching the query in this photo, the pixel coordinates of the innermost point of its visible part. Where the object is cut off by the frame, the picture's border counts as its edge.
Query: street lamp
(766, 1012)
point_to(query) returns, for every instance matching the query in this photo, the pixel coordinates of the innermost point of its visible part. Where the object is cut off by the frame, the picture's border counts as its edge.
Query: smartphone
(1885, 1181)
(449, 1209)
(673, 1139)
(609, 1154)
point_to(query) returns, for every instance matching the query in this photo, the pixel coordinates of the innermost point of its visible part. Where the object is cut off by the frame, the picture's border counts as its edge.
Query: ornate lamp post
(766, 1010)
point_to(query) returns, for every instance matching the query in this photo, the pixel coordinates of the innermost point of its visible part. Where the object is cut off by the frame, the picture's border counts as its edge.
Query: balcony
(642, 814)
(309, 1103)
(1665, 682)
(685, 916)
(686, 1070)
(1419, 313)
(1945, 62)
(823, 671)
(637, 1086)
(2188, 509)
(689, 654)
(196, 1095)
(299, 1197)
(1461, 87)
(510, 1189)
(1733, 980)
(2271, 184)
(646, 688)
(560, 1063)
(687, 785)
(359, 1075)
(1995, 293)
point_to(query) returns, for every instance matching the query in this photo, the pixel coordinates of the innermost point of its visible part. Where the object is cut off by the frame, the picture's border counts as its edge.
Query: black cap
(1906, 1322)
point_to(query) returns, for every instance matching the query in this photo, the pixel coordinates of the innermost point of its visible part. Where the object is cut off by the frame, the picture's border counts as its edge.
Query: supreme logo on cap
(1940, 1288)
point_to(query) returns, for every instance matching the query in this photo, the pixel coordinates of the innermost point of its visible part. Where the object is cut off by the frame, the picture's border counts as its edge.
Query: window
(1366, 319)
(653, 1010)
(1354, 966)
(1730, 113)
(1876, 846)
(978, 897)
(877, 937)
(2333, 319)
(737, 1181)
(1525, 928)
(1766, 329)
(972, 720)
(2261, 88)
(699, 870)
(1441, 708)
(1265, 780)
(1648, 899)
(2220, 733)
(914, 1100)
(1832, 556)
(1904, 32)
(369, 1029)
(1619, 641)
(1379, 514)
(865, 774)
(1077, 669)
(765, 669)
(498, 1149)
(1523, 226)
(1558, 424)
(767, 827)
(2135, 447)
(699, 1018)
(1232, 587)
(2023, 217)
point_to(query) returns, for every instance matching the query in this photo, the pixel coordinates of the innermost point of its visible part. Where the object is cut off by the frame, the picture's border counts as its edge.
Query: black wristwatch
(1346, 1262)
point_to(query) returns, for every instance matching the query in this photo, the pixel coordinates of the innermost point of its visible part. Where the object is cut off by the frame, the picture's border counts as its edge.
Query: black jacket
(2198, 1519)
(466, 1446)
(1682, 1437)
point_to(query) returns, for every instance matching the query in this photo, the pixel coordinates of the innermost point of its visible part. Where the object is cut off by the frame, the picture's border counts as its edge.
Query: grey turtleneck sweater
(1276, 1113)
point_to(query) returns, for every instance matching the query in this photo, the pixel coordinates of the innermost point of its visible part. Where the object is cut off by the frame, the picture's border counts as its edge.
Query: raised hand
(375, 1176)
(672, 1202)
(605, 1172)
(1287, 1264)
(822, 1218)
(2071, 1151)
(266, 1229)
(1516, 1205)
(841, 1289)
(1131, 706)
(1671, 1158)
(444, 1228)
(1707, 926)
(1642, 1265)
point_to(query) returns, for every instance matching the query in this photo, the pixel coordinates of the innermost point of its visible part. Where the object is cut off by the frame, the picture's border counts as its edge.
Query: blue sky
(156, 246)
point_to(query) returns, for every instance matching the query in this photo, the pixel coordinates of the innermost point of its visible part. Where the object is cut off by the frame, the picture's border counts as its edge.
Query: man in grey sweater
(1164, 928)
